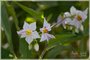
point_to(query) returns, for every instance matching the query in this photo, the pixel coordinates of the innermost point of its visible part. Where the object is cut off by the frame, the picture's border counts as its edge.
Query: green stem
(45, 50)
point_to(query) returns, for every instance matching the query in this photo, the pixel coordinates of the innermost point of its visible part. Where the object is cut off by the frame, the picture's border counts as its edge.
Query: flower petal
(35, 35)
(67, 14)
(76, 23)
(43, 37)
(68, 20)
(32, 26)
(49, 36)
(73, 10)
(46, 25)
(22, 33)
(29, 39)
(63, 24)
(59, 21)
(26, 25)
(85, 11)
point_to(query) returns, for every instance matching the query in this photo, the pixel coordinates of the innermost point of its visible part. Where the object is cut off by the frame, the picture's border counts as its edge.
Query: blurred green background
(66, 45)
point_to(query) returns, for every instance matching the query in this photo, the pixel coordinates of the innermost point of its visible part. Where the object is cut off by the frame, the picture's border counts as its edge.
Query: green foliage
(6, 26)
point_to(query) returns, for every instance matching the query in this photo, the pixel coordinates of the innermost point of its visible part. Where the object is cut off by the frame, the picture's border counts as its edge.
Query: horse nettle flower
(73, 18)
(29, 32)
(79, 17)
(46, 28)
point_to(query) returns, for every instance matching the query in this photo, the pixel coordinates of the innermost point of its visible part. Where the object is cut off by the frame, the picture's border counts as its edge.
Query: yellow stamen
(28, 32)
(79, 17)
(45, 30)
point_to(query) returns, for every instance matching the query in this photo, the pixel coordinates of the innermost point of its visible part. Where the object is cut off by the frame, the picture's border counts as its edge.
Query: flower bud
(36, 47)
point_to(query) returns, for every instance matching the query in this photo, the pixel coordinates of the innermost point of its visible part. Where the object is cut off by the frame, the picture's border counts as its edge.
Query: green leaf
(83, 48)
(32, 12)
(6, 26)
(11, 10)
(5, 54)
(24, 50)
(54, 52)
(61, 39)
(65, 38)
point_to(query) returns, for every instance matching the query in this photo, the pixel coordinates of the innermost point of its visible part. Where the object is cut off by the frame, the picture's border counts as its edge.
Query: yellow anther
(79, 18)
(28, 32)
(45, 30)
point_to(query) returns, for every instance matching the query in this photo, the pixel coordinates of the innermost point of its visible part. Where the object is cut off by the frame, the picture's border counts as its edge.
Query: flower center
(45, 30)
(79, 17)
(28, 32)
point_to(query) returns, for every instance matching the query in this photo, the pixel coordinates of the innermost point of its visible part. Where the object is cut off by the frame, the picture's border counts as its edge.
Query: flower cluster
(73, 19)
(30, 33)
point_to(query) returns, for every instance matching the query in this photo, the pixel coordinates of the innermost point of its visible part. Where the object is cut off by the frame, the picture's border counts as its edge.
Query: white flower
(73, 18)
(46, 28)
(29, 32)
(79, 17)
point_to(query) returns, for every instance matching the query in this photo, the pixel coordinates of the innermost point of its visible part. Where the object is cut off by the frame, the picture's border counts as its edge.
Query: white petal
(67, 14)
(85, 11)
(36, 47)
(59, 21)
(43, 37)
(32, 26)
(47, 25)
(20, 32)
(35, 35)
(49, 36)
(73, 10)
(23, 35)
(41, 29)
(29, 39)
(26, 25)
(81, 28)
(68, 20)
(76, 23)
